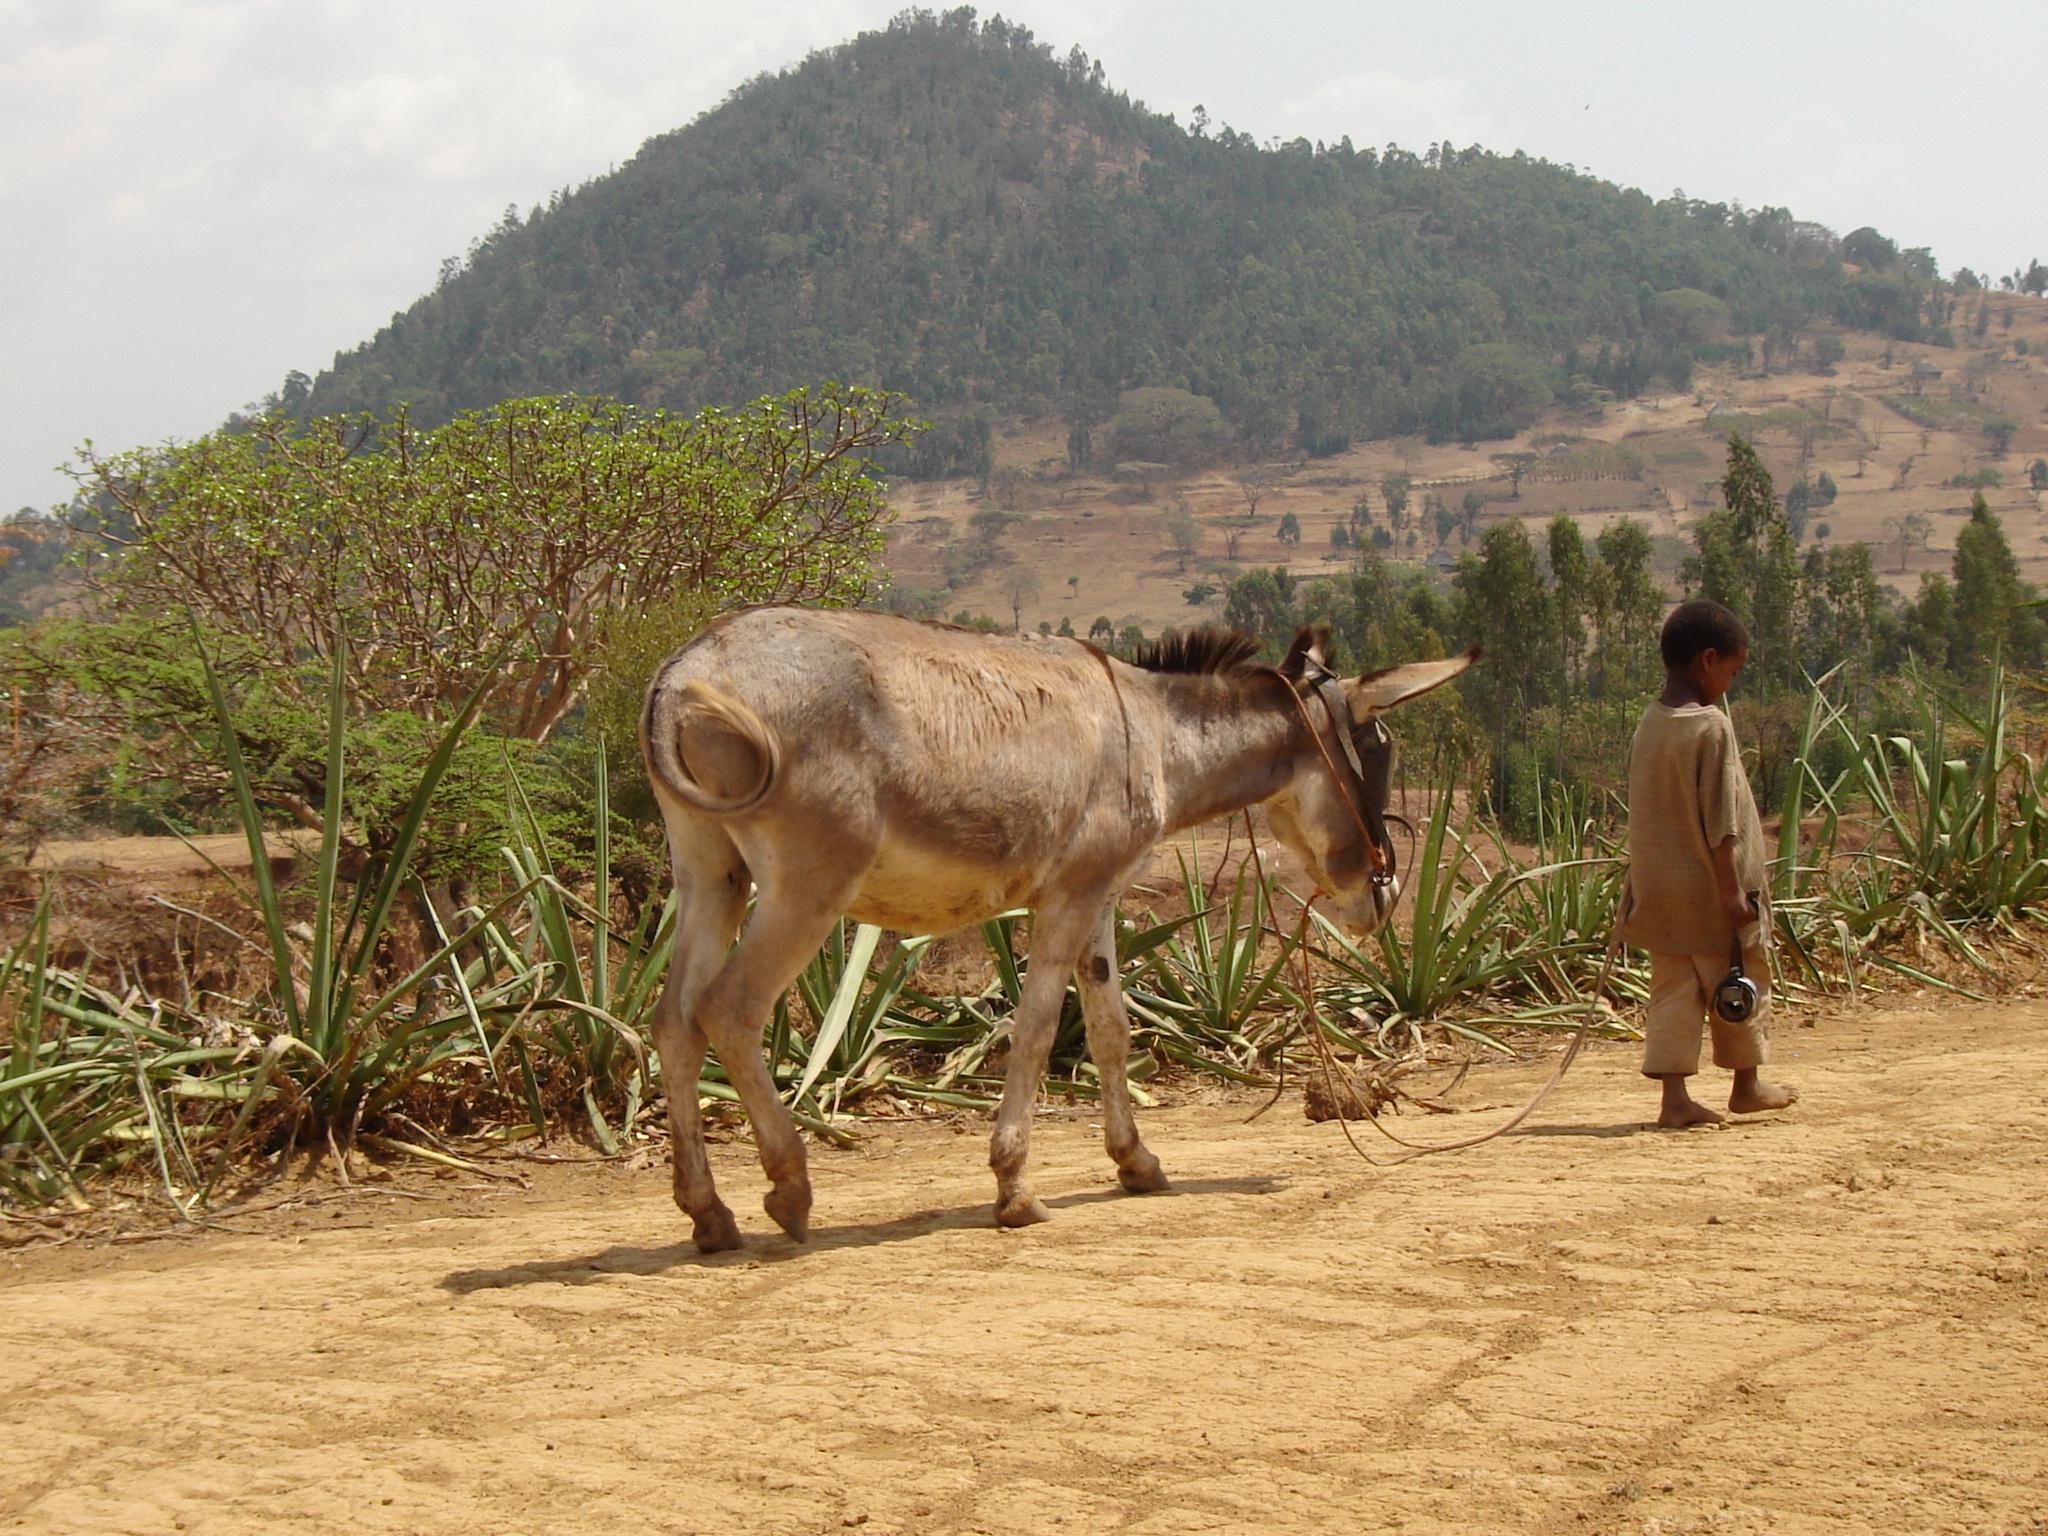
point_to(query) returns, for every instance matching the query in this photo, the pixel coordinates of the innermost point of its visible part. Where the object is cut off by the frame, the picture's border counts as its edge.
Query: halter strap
(1330, 689)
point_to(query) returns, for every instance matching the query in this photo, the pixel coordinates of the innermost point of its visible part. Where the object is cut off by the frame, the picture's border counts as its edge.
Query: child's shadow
(1627, 1128)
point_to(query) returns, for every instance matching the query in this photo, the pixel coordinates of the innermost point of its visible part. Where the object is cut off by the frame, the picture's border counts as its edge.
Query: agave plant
(352, 1044)
(88, 1080)
(1210, 999)
(1479, 938)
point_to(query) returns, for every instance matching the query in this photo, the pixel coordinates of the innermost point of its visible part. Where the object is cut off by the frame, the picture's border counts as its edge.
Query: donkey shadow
(625, 1259)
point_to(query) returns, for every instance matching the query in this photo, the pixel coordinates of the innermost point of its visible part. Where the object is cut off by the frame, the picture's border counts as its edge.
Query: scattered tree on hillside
(1910, 531)
(1442, 520)
(1020, 586)
(1515, 466)
(1394, 489)
(1289, 530)
(1468, 516)
(1254, 485)
(1183, 534)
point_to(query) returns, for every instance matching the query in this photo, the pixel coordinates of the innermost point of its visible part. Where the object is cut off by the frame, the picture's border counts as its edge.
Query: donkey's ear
(1383, 690)
(1309, 644)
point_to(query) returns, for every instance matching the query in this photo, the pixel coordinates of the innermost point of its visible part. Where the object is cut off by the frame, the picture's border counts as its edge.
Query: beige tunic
(1687, 793)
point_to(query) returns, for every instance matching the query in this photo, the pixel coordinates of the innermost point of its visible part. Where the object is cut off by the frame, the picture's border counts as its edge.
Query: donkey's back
(946, 774)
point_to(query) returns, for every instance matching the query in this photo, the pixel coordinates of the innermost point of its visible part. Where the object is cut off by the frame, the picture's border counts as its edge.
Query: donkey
(922, 777)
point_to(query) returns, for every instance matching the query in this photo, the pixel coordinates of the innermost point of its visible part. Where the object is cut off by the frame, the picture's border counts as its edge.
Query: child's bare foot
(1681, 1109)
(1676, 1117)
(1751, 1095)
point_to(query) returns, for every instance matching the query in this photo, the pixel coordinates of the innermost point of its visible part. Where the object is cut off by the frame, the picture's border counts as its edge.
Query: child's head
(1706, 645)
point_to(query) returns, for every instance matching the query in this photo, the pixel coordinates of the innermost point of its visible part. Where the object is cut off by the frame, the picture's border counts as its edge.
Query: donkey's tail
(671, 710)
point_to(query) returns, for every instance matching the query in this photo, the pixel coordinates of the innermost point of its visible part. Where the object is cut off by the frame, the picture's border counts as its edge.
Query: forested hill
(947, 208)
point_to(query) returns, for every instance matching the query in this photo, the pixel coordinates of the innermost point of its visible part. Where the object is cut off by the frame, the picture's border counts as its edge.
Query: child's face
(1714, 672)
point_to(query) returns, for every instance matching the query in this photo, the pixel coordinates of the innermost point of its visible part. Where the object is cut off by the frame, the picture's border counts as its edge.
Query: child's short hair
(1699, 625)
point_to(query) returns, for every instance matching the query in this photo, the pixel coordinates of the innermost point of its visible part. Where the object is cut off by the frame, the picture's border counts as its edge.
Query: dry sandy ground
(1831, 1321)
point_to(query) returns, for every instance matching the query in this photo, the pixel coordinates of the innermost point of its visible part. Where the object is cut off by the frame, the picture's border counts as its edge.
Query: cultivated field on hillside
(1657, 460)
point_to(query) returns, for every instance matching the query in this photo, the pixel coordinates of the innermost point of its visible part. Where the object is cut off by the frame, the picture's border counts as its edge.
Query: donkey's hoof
(715, 1231)
(1144, 1177)
(1021, 1211)
(790, 1205)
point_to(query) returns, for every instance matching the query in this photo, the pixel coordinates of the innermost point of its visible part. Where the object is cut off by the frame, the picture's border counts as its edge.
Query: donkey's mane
(1207, 651)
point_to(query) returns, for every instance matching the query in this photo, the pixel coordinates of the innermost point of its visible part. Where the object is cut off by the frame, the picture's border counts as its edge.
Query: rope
(1332, 1068)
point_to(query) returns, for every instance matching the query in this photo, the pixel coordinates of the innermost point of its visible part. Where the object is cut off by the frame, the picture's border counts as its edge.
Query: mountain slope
(947, 209)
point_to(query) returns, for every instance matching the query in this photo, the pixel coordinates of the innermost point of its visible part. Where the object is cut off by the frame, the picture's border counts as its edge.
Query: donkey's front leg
(1109, 1043)
(1056, 939)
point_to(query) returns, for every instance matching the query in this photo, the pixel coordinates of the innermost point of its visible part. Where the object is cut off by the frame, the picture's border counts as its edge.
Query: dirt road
(1831, 1321)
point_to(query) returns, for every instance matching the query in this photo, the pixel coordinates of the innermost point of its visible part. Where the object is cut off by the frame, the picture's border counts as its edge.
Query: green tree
(1468, 516)
(1992, 605)
(1168, 426)
(1441, 519)
(1746, 558)
(1394, 489)
(495, 550)
(1261, 602)
(1843, 602)
(1503, 605)
(1183, 534)
(1020, 586)
(1515, 466)
(1689, 315)
(1289, 531)
(1494, 390)
(1570, 599)
(1931, 621)
(1629, 606)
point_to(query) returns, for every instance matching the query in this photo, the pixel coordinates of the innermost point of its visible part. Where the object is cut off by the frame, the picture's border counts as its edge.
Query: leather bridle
(1368, 749)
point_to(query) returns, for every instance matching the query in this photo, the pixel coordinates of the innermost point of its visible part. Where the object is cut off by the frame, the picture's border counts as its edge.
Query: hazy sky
(199, 195)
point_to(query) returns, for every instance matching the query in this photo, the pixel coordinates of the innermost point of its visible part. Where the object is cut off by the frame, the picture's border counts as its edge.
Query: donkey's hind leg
(790, 921)
(711, 897)
(1109, 1043)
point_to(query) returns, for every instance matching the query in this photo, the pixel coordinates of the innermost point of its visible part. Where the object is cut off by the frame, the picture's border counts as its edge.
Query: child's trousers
(1682, 994)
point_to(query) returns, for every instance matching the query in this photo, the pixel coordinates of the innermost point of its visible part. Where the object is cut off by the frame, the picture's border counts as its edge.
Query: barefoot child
(1696, 853)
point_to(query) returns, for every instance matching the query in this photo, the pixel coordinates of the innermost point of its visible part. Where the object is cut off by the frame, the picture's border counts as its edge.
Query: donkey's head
(1333, 812)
